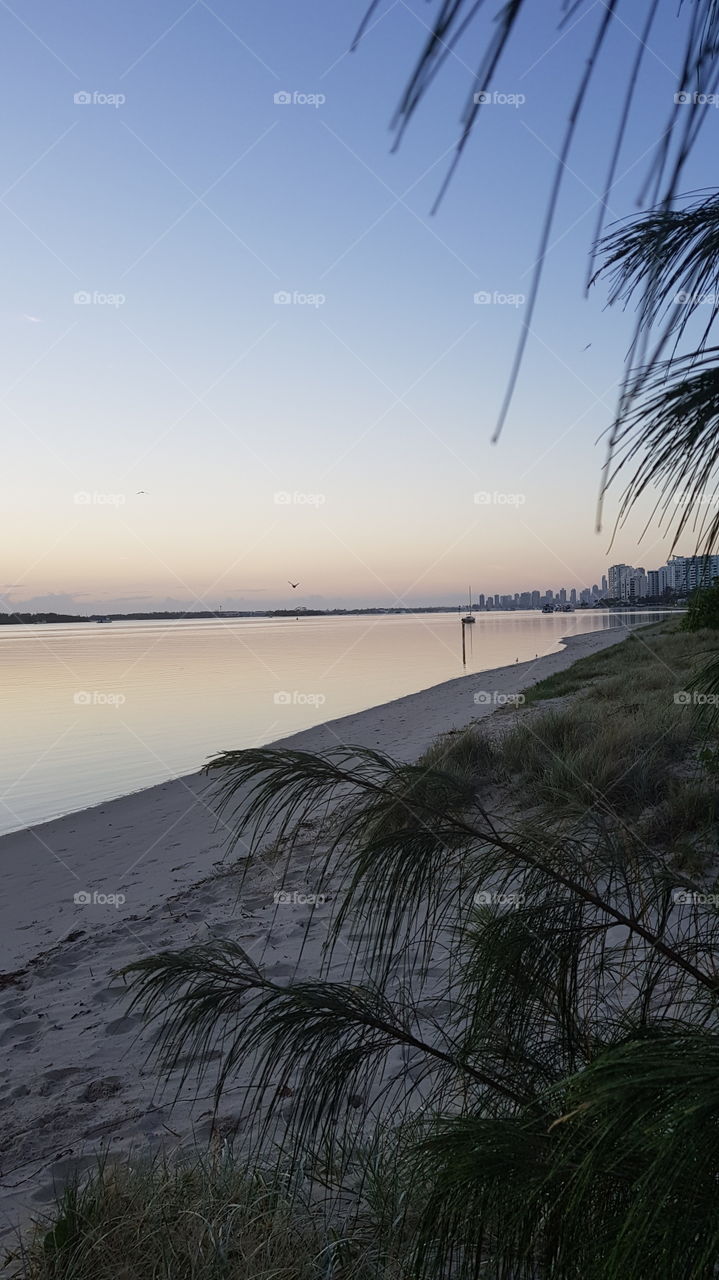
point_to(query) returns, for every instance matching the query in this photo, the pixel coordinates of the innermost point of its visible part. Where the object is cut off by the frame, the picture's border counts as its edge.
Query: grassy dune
(614, 732)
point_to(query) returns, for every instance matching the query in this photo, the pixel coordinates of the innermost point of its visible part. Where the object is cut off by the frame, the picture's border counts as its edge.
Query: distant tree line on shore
(27, 619)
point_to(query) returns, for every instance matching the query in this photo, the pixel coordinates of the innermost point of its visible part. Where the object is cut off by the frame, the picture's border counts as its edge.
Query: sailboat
(469, 617)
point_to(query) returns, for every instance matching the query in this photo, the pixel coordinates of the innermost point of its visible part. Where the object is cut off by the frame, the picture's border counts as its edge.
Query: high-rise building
(525, 600)
(595, 591)
(573, 596)
(619, 579)
(481, 601)
(496, 601)
(692, 572)
(550, 593)
(562, 595)
(605, 586)
(653, 587)
(637, 584)
(535, 599)
(584, 595)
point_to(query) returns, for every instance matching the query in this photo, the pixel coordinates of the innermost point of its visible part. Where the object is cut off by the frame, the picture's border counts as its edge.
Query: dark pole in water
(464, 649)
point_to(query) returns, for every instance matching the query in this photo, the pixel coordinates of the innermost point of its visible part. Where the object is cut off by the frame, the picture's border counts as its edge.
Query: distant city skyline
(680, 575)
(259, 600)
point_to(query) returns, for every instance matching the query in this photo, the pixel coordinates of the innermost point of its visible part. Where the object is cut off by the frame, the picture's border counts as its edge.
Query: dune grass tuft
(208, 1219)
(569, 758)
(466, 755)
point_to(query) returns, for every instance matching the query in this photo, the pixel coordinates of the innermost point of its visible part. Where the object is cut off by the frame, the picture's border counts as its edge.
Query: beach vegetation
(528, 1026)
(703, 609)
(194, 1217)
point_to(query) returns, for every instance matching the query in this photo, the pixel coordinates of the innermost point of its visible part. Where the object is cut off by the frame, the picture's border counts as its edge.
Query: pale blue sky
(198, 199)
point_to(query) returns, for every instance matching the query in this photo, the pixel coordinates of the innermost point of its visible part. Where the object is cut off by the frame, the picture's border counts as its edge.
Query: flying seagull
(143, 491)
(587, 347)
(294, 585)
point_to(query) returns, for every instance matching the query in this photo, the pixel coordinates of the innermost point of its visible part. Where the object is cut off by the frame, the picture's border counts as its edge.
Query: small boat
(548, 608)
(469, 618)
(103, 619)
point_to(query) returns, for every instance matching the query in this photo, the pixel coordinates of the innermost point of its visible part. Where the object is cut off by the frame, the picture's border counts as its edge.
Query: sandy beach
(76, 1077)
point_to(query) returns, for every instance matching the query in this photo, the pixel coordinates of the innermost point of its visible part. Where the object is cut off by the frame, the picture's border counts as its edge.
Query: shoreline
(78, 1081)
(44, 865)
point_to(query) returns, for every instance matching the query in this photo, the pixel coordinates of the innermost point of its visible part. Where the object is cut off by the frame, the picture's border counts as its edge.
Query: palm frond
(628, 1146)
(556, 1076)
(698, 28)
(668, 260)
(670, 433)
(588, 931)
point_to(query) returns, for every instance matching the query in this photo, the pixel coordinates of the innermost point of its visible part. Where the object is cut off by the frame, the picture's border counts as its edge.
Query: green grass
(686, 821)
(205, 1220)
(467, 754)
(621, 742)
(659, 648)
(622, 739)
(567, 759)
(208, 1217)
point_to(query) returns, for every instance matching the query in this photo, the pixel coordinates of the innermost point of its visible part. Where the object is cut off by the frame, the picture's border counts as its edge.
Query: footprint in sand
(120, 1026)
(105, 1087)
(56, 1076)
(187, 1060)
(13, 1012)
(20, 1032)
(107, 995)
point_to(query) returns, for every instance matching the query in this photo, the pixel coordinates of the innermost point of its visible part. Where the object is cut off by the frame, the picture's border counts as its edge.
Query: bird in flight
(143, 491)
(294, 585)
(587, 347)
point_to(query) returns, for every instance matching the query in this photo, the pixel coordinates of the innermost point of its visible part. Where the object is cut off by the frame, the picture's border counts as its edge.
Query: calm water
(91, 712)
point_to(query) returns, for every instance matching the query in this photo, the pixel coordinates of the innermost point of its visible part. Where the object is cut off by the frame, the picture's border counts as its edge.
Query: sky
(238, 349)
